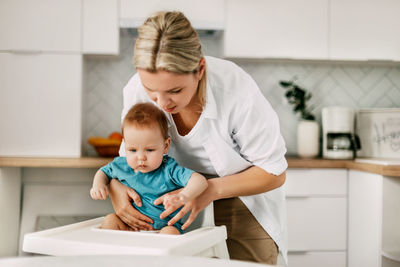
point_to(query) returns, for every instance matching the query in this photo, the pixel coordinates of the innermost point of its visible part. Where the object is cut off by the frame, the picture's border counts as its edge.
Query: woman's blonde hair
(167, 41)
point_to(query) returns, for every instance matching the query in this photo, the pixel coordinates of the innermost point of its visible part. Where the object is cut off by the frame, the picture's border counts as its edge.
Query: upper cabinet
(276, 29)
(365, 29)
(77, 26)
(206, 14)
(100, 27)
(40, 103)
(313, 29)
(40, 25)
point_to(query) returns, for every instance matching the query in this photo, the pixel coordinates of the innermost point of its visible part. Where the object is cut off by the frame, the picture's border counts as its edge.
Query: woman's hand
(121, 197)
(194, 206)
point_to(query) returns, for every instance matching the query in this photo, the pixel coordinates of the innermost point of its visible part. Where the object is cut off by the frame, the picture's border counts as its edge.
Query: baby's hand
(174, 200)
(99, 192)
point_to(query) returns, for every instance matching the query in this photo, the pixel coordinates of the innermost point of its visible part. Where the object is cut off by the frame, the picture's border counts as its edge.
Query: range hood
(204, 28)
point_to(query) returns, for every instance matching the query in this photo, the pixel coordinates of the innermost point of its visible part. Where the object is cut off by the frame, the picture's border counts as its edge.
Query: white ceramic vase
(307, 139)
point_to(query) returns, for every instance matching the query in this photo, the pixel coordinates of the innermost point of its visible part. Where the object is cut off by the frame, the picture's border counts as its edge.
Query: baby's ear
(167, 145)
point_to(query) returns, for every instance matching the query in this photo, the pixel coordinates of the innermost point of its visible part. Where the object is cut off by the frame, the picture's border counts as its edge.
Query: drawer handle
(298, 196)
(25, 52)
(298, 251)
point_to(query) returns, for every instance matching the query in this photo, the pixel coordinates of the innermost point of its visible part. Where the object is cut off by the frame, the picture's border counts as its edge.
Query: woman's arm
(251, 181)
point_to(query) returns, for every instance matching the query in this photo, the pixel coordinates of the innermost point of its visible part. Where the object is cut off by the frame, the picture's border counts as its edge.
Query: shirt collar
(210, 108)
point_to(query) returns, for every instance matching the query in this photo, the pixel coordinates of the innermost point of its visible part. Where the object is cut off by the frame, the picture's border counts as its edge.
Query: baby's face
(144, 147)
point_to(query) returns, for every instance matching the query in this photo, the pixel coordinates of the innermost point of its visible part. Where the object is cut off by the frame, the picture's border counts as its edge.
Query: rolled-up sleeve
(256, 131)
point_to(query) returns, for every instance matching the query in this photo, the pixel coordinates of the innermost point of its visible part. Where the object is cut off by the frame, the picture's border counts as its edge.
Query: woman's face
(172, 92)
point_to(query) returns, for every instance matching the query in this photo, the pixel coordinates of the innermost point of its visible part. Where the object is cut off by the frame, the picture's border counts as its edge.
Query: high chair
(202, 238)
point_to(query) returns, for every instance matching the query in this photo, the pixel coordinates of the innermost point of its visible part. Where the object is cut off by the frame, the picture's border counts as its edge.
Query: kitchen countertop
(96, 162)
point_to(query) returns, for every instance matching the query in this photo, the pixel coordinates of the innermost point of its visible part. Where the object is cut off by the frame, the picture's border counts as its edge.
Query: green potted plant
(308, 128)
(298, 97)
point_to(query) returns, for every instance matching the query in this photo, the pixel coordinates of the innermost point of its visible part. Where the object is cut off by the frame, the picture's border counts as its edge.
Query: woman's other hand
(121, 197)
(194, 206)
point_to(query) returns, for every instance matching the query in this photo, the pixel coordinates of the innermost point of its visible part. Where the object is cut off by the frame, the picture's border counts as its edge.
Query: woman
(222, 126)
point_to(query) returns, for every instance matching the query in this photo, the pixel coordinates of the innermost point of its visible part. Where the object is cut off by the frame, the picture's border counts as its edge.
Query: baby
(148, 170)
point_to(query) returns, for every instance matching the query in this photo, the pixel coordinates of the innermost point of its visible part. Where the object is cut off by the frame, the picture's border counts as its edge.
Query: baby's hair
(146, 115)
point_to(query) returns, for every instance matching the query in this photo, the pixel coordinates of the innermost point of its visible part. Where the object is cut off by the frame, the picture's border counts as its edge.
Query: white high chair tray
(85, 238)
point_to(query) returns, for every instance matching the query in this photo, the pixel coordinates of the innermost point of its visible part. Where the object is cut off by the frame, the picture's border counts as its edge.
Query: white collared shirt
(237, 129)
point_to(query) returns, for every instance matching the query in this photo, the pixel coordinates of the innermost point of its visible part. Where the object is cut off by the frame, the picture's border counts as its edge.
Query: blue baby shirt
(150, 186)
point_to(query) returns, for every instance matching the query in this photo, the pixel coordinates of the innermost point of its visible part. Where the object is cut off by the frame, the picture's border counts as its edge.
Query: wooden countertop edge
(386, 170)
(25, 162)
(96, 162)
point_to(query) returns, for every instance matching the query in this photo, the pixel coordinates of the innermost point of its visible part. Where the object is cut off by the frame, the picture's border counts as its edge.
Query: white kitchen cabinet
(317, 223)
(40, 105)
(10, 207)
(374, 236)
(317, 258)
(40, 25)
(364, 29)
(100, 27)
(365, 219)
(390, 222)
(276, 29)
(206, 14)
(317, 217)
(316, 182)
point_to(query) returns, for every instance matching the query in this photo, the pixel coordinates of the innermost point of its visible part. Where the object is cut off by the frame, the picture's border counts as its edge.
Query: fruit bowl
(106, 147)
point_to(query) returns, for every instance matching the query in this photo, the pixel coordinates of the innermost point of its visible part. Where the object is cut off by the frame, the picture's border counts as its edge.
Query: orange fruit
(115, 136)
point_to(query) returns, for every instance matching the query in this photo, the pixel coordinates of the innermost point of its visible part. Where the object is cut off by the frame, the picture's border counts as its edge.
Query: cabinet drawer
(326, 259)
(309, 182)
(316, 223)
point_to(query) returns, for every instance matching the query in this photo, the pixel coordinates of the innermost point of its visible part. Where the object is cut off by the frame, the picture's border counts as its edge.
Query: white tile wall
(357, 85)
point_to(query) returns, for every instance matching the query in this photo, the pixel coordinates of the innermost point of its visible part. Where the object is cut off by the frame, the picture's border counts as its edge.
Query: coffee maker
(339, 140)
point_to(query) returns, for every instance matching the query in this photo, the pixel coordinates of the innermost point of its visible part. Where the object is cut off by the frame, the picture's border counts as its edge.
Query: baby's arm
(195, 186)
(100, 186)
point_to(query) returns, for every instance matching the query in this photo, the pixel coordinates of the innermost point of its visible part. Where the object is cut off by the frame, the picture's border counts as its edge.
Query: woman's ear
(202, 67)
(167, 145)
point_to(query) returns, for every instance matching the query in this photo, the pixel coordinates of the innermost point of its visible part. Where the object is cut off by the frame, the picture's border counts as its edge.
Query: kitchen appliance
(339, 140)
(379, 132)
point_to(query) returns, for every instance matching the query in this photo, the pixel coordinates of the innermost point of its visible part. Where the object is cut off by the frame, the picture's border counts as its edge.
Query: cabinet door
(365, 29)
(365, 219)
(316, 224)
(276, 29)
(100, 27)
(206, 14)
(40, 25)
(40, 105)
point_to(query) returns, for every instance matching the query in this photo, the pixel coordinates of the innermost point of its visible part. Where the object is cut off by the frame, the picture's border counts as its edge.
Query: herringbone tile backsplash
(357, 85)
